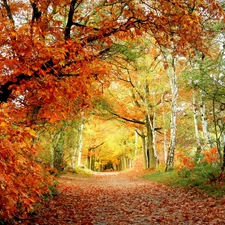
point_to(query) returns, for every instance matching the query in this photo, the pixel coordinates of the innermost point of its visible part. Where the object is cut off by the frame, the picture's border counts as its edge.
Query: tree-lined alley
(101, 83)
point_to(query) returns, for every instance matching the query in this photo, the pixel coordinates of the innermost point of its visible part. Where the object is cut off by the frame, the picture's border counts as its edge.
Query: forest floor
(120, 198)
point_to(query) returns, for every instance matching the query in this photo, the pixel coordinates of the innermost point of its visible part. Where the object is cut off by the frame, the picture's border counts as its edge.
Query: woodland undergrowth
(204, 177)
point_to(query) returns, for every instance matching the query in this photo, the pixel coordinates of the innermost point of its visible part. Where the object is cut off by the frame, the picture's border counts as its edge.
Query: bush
(23, 180)
(206, 177)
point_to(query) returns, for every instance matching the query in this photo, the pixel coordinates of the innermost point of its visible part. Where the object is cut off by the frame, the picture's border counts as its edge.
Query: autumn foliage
(211, 156)
(185, 161)
(56, 55)
(22, 181)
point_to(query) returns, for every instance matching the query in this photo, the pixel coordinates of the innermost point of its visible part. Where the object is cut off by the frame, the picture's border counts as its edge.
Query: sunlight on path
(106, 173)
(112, 198)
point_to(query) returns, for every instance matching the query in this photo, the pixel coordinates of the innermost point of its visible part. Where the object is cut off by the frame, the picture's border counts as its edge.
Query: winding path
(121, 199)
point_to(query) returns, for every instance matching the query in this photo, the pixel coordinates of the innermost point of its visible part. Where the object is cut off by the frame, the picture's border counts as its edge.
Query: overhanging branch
(127, 119)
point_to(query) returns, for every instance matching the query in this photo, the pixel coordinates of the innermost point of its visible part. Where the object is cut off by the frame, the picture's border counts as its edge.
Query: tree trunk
(80, 141)
(59, 152)
(152, 159)
(150, 127)
(52, 152)
(77, 152)
(130, 163)
(123, 163)
(136, 143)
(223, 164)
(197, 134)
(91, 158)
(153, 127)
(93, 162)
(205, 128)
(144, 148)
(173, 123)
(89, 162)
(219, 133)
(73, 160)
(164, 140)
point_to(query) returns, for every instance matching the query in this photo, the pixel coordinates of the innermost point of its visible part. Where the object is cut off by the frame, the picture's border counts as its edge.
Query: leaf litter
(120, 198)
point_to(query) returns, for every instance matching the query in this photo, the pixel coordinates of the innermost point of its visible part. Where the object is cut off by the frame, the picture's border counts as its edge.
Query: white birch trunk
(77, 153)
(80, 141)
(197, 134)
(73, 159)
(205, 125)
(173, 123)
(165, 140)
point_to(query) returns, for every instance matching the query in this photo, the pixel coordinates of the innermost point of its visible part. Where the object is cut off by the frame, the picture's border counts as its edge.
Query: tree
(209, 80)
(56, 55)
(62, 142)
(197, 133)
(107, 143)
(19, 166)
(74, 52)
(135, 97)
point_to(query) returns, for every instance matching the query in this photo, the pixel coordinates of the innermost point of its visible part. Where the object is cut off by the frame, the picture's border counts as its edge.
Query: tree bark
(173, 123)
(80, 141)
(197, 134)
(59, 152)
(77, 152)
(8, 10)
(150, 127)
(205, 128)
(150, 149)
(164, 140)
(219, 133)
(223, 164)
(136, 143)
(144, 149)
(91, 156)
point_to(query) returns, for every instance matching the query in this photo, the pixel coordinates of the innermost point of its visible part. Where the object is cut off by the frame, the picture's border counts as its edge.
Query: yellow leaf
(31, 132)
(2, 186)
(4, 105)
(3, 124)
(62, 63)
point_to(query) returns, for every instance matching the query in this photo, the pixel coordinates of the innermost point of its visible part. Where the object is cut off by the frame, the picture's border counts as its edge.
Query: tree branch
(5, 91)
(70, 19)
(36, 13)
(8, 10)
(128, 120)
(94, 147)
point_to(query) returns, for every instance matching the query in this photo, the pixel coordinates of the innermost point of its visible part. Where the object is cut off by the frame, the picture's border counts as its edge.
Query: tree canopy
(56, 56)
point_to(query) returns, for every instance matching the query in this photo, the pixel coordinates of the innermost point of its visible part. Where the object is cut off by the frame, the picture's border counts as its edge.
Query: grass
(203, 178)
(77, 170)
(80, 171)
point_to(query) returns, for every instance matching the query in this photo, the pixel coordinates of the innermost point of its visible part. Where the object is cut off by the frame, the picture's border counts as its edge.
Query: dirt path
(114, 198)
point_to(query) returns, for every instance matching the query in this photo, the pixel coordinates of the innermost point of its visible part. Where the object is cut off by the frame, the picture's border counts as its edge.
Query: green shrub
(79, 170)
(53, 191)
(203, 177)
